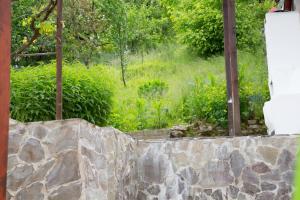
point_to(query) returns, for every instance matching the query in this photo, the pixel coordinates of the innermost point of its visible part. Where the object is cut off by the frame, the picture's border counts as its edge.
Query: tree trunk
(142, 56)
(123, 67)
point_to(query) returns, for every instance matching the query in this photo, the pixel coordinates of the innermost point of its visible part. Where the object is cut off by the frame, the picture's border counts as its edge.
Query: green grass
(180, 70)
(168, 86)
(296, 194)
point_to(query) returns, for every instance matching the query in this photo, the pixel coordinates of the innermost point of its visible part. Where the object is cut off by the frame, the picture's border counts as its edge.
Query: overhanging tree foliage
(34, 21)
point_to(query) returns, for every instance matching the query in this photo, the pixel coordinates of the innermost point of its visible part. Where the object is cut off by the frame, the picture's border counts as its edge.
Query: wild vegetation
(87, 93)
(136, 64)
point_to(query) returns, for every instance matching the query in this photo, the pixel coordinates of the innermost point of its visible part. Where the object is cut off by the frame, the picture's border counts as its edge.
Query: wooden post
(288, 5)
(5, 45)
(230, 51)
(59, 27)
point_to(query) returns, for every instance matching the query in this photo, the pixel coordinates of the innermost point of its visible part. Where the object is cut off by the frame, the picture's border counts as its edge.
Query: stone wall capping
(217, 137)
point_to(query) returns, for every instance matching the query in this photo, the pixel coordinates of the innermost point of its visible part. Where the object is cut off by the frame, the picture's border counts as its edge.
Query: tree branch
(37, 54)
(43, 16)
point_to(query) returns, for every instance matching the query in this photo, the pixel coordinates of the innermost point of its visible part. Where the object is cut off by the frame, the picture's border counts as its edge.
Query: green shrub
(199, 24)
(296, 194)
(153, 89)
(142, 114)
(151, 105)
(208, 102)
(87, 93)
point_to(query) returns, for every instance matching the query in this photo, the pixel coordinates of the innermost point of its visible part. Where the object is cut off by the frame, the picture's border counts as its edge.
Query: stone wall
(72, 159)
(225, 168)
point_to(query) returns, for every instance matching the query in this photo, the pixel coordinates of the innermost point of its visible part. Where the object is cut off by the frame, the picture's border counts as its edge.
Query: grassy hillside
(181, 72)
(166, 87)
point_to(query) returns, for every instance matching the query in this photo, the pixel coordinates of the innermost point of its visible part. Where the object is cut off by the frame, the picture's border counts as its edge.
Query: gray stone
(141, 196)
(208, 191)
(273, 175)
(90, 175)
(143, 185)
(102, 145)
(171, 190)
(181, 187)
(155, 167)
(285, 197)
(12, 162)
(255, 126)
(98, 160)
(265, 186)
(249, 176)
(70, 192)
(33, 192)
(288, 177)
(201, 196)
(242, 196)
(217, 195)
(63, 138)
(187, 197)
(8, 196)
(222, 152)
(32, 151)
(252, 122)
(181, 159)
(268, 153)
(154, 189)
(39, 131)
(250, 189)
(65, 170)
(237, 163)
(17, 177)
(14, 142)
(233, 191)
(216, 174)
(180, 128)
(283, 189)
(260, 168)
(40, 173)
(265, 196)
(285, 160)
(189, 175)
(13, 122)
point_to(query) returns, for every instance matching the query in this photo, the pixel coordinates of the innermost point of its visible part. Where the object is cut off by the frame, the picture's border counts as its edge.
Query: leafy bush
(200, 24)
(87, 93)
(143, 106)
(208, 101)
(297, 178)
(151, 105)
(153, 89)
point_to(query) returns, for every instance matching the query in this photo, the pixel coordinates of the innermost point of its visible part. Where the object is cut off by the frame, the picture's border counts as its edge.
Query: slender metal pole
(230, 51)
(5, 45)
(59, 27)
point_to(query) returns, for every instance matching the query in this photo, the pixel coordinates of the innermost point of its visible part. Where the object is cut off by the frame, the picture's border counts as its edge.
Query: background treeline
(95, 28)
(139, 63)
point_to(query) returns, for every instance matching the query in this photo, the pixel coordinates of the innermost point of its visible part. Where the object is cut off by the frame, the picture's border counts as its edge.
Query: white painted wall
(282, 32)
